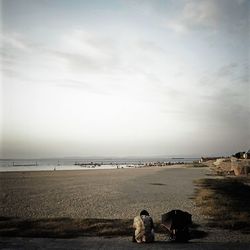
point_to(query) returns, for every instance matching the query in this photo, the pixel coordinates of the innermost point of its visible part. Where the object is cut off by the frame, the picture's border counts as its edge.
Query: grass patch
(198, 165)
(225, 201)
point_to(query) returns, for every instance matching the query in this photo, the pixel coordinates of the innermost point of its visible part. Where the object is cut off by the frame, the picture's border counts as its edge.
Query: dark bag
(177, 223)
(180, 235)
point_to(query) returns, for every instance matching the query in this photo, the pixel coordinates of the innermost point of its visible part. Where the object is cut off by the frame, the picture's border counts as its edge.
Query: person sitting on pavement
(144, 228)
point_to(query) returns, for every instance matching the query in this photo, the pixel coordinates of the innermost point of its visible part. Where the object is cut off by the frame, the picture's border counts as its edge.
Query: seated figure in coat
(144, 227)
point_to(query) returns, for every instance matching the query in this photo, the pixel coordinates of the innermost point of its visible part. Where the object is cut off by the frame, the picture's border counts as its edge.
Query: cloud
(87, 44)
(81, 60)
(241, 1)
(209, 15)
(227, 70)
(14, 40)
(195, 15)
(231, 111)
(35, 63)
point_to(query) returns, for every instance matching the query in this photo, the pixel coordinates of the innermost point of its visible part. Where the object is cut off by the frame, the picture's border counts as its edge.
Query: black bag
(180, 235)
(177, 223)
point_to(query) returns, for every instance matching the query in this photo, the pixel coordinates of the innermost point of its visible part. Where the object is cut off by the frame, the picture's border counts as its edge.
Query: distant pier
(25, 164)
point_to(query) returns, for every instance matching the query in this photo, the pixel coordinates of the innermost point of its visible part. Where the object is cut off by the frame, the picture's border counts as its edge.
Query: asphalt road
(108, 243)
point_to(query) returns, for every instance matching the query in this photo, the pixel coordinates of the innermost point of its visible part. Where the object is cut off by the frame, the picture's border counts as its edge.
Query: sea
(53, 164)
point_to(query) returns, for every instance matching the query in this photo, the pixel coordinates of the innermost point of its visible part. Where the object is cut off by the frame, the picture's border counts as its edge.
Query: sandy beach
(117, 194)
(106, 194)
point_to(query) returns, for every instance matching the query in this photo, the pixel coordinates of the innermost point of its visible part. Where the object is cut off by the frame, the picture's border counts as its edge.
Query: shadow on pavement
(72, 228)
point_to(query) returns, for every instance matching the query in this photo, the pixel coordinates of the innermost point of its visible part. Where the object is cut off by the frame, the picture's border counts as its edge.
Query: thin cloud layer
(210, 16)
(125, 78)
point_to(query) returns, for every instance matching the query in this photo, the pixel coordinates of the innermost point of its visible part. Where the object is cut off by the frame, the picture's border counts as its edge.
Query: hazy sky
(124, 77)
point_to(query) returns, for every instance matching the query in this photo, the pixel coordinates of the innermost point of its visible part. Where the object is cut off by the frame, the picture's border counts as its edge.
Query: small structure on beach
(239, 155)
(246, 155)
(205, 159)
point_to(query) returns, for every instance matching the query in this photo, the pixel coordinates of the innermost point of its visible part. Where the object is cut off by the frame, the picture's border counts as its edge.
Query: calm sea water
(90, 163)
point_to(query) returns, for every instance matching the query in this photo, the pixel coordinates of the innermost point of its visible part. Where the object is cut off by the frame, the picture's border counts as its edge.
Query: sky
(124, 78)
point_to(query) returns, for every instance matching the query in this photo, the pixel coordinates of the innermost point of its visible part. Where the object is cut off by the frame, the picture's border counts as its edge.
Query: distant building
(239, 155)
(247, 155)
(204, 159)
